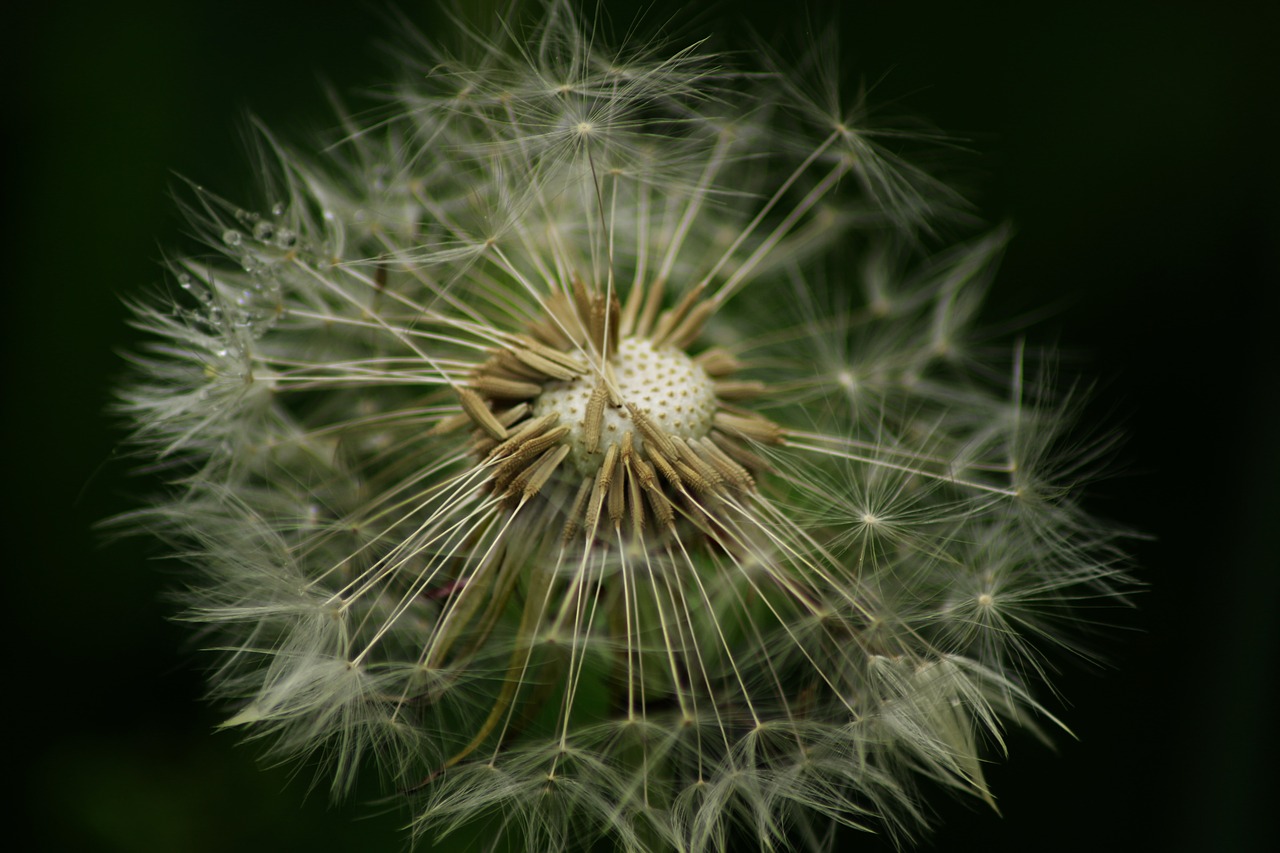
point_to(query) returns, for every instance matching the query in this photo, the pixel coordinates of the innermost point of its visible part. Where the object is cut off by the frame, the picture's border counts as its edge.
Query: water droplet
(232, 237)
(286, 239)
(264, 231)
(277, 209)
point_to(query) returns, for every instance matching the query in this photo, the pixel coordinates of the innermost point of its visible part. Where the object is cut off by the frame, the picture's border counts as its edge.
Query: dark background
(1134, 146)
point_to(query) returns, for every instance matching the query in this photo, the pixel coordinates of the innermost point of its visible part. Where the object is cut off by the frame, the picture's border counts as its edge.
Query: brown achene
(643, 464)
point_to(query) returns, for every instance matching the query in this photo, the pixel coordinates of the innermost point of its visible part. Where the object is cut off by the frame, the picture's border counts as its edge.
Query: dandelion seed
(530, 455)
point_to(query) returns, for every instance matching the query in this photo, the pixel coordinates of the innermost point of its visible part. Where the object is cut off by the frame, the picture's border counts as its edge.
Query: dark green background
(1133, 144)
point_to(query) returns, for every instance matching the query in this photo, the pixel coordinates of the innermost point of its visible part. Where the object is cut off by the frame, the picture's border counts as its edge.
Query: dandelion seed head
(533, 449)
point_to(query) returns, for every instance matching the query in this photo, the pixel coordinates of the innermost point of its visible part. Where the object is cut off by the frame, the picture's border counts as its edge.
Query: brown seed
(450, 423)
(583, 302)
(631, 310)
(690, 457)
(504, 389)
(508, 473)
(597, 321)
(613, 327)
(600, 489)
(545, 331)
(550, 462)
(520, 457)
(645, 474)
(514, 489)
(736, 451)
(650, 433)
(749, 426)
(718, 362)
(610, 462)
(662, 510)
(574, 519)
(617, 494)
(671, 318)
(544, 366)
(594, 417)
(635, 501)
(513, 414)
(565, 359)
(731, 470)
(687, 332)
(665, 468)
(700, 484)
(526, 432)
(475, 408)
(505, 365)
(565, 318)
(739, 390)
(651, 305)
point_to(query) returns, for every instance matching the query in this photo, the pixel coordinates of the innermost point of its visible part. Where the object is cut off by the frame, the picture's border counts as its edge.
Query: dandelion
(541, 446)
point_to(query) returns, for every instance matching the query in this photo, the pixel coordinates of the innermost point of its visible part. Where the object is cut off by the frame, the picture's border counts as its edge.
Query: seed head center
(665, 384)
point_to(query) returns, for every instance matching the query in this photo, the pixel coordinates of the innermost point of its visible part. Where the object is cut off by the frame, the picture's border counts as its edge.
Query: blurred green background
(1133, 144)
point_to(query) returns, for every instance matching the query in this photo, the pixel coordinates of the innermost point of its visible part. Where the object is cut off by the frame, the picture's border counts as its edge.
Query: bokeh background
(1133, 143)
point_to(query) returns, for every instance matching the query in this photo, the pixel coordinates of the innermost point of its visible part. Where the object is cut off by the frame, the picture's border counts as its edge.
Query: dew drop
(232, 237)
(277, 209)
(264, 231)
